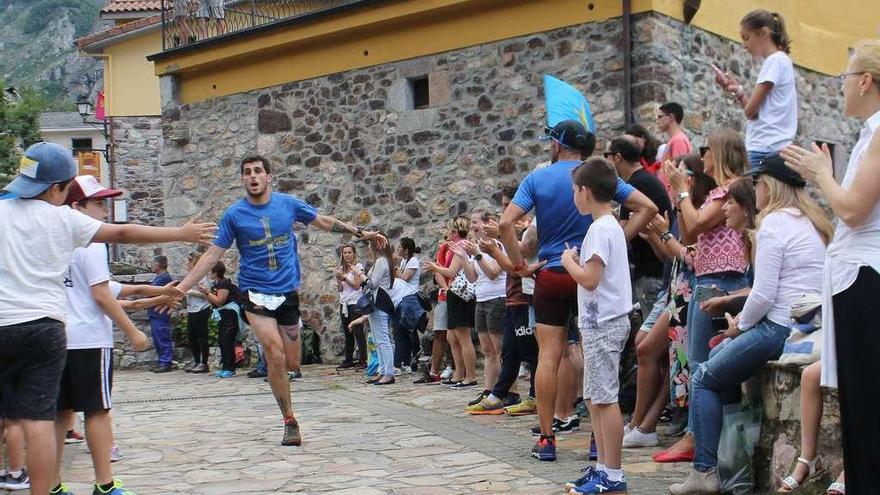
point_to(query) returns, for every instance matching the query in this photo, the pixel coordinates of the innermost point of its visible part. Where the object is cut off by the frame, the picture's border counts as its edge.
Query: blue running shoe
(599, 484)
(224, 374)
(594, 452)
(116, 489)
(588, 471)
(545, 449)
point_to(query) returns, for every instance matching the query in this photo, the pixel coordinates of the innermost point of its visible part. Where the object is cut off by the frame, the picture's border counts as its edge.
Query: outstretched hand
(197, 232)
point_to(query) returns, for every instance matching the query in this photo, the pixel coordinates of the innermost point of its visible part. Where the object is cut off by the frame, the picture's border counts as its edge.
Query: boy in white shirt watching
(604, 303)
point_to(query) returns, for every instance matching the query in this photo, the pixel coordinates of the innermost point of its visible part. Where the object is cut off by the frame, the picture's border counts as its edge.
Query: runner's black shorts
(87, 381)
(287, 314)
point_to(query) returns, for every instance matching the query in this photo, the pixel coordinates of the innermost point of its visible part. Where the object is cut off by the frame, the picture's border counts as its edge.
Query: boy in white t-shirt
(604, 304)
(37, 240)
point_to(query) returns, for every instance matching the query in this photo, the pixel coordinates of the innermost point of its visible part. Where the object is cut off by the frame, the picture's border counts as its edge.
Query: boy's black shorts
(32, 357)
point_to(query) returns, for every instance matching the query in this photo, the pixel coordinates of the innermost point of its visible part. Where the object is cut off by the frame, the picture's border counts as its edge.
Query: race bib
(268, 301)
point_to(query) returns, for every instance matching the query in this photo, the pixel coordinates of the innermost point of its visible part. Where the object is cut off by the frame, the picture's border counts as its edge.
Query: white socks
(614, 474)
(492, 399)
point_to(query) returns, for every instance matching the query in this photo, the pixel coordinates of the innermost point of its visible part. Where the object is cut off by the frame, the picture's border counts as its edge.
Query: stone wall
(350, 144)
(137, 142)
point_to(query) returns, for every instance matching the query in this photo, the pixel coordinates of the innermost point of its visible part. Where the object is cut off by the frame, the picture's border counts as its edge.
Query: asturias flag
(564, 102)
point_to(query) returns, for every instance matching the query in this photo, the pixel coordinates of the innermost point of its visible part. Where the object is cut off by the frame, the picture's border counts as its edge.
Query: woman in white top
(406, 340)
(490, 283)
(851, 287)
(772, 108)
(410, 269)
(789, 255)
(198, 312)
(349, 277)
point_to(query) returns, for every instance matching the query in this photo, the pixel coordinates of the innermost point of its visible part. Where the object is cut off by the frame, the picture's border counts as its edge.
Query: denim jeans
(379, 327)
(720, 377)
(755, 157)
(699, 322)
(261, 364)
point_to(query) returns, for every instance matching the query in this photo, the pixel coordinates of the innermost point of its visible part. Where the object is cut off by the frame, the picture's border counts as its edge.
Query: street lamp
(84, 108)
(119, 210)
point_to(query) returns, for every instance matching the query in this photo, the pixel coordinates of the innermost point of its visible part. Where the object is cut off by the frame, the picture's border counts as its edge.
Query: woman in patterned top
(720, 260)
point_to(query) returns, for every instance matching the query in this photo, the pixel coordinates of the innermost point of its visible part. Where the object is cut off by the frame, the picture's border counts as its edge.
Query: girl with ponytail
(771, 108)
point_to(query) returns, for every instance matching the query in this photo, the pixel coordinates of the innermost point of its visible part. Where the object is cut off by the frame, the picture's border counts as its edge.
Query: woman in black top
(223, 292)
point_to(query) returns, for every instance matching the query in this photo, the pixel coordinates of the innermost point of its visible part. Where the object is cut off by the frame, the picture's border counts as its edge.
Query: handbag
(426, 300)
(463, 288)
(804, 345)
(365, 304)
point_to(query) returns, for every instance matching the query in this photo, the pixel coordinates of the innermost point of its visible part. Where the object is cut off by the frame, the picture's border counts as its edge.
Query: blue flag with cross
(564, 102)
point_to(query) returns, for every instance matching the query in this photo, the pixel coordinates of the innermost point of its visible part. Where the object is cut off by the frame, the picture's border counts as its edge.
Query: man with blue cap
(37, 239)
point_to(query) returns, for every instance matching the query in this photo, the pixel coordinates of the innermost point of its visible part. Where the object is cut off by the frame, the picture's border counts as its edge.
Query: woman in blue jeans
(720, 260)
(379, 282)
(789, 254)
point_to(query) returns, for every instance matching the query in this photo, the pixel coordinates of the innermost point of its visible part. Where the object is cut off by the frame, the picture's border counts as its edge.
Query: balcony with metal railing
(187, 22)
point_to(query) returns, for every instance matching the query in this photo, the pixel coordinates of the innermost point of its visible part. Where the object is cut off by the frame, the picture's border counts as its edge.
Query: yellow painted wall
(131, 88)
(386, 32)
(822, 30)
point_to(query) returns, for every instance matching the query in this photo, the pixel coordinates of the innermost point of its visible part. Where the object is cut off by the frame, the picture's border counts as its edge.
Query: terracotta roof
(81, 43)
(131, 6)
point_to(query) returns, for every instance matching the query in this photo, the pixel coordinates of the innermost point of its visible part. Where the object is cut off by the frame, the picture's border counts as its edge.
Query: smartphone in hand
(703, 293)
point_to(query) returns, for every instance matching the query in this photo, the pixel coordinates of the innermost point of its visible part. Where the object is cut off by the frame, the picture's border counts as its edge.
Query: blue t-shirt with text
(264, 237)
(549, 191)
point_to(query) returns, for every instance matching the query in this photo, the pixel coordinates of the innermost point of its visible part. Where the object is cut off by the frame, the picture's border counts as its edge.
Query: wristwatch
(478, 256)
(682, 196)
(666, 236)
(360, 233)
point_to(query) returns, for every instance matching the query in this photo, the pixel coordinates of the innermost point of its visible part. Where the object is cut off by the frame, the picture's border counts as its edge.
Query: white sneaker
(523, 370)
(446, 373)
(636, 438)
(398, 371)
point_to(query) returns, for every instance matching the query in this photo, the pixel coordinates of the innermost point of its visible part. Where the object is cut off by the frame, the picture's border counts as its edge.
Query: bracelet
(666, 236)
(360, 233)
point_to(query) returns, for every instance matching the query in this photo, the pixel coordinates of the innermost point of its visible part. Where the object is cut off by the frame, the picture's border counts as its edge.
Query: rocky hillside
(36, 47)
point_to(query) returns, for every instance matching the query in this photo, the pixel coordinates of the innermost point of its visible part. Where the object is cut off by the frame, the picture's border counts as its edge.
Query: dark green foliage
(19, 128)
(82, 14)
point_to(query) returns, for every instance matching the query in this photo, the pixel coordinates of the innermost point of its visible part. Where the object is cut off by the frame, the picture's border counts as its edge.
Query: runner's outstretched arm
(330, 224)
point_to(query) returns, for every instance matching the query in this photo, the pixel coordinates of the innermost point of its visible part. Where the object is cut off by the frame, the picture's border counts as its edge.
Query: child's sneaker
(20, 482)
(224, 374)
(73, 436)
(588, 471)
(600, 484)
(545, 449)
(116, 489)
(61, 489)
(594, 452)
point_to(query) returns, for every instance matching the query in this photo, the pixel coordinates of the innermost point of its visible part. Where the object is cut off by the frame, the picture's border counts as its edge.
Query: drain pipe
(627, 63)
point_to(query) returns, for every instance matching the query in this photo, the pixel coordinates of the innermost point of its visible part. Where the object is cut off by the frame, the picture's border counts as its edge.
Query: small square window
(419, 92)
(81, 143)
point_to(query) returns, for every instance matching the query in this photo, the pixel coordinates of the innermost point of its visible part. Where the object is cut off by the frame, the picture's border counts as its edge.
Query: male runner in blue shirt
(261, 226)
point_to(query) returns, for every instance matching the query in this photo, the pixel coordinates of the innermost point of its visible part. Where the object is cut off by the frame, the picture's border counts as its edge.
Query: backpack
(311, 345)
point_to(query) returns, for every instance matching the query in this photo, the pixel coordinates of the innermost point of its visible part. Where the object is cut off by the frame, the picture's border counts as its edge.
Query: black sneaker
(291, 433)
(255, 374)
(483, 395)
(568, 426)
(511, 399)
(161, 368)
(295, 374)
(345, 366)
(536, 431)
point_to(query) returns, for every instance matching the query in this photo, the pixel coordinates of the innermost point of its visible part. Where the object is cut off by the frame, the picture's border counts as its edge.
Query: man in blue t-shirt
(549, 192)
(261, 226)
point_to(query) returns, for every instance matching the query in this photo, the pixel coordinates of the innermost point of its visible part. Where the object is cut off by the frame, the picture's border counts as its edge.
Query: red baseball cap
(87, 187)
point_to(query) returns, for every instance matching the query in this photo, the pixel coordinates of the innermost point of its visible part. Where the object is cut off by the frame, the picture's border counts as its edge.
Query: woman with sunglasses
(852, 269)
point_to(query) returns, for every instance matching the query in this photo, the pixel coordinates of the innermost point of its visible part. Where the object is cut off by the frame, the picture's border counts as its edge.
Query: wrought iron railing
(185, 22)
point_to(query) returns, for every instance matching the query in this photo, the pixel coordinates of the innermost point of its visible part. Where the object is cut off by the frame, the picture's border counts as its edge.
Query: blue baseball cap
(42, 165)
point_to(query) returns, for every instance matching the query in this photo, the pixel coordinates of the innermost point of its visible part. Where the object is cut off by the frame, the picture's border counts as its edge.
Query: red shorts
(555, 297)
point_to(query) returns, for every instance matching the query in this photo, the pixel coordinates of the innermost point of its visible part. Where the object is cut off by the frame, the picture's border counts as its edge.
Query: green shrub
(181, 336)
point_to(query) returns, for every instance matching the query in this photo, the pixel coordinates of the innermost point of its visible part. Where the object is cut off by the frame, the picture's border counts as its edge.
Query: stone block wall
(137, 142)
(351, 144)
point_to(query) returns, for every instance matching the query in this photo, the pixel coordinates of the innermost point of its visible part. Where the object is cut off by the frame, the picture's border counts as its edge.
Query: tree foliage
(42, 12)
(19, 128)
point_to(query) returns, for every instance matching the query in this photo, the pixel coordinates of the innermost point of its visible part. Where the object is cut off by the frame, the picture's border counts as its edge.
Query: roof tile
(131, 6)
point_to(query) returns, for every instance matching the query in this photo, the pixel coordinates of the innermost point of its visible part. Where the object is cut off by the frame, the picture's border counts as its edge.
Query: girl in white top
(490, 286)
(772, 107)
(852, 268)
(410, 269)
(349, 277)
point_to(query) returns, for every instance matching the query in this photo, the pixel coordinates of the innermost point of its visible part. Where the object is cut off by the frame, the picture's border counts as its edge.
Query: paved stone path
(197, 434)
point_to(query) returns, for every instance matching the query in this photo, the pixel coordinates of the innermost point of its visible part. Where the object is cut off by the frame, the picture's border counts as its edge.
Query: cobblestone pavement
(197, 434)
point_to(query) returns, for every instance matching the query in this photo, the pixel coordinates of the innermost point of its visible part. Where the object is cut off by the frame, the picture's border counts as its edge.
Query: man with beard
(549, 191)
(261, 225)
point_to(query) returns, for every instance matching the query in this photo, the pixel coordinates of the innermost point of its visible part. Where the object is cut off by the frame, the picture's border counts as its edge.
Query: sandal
(790, 484)
(836, 489)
